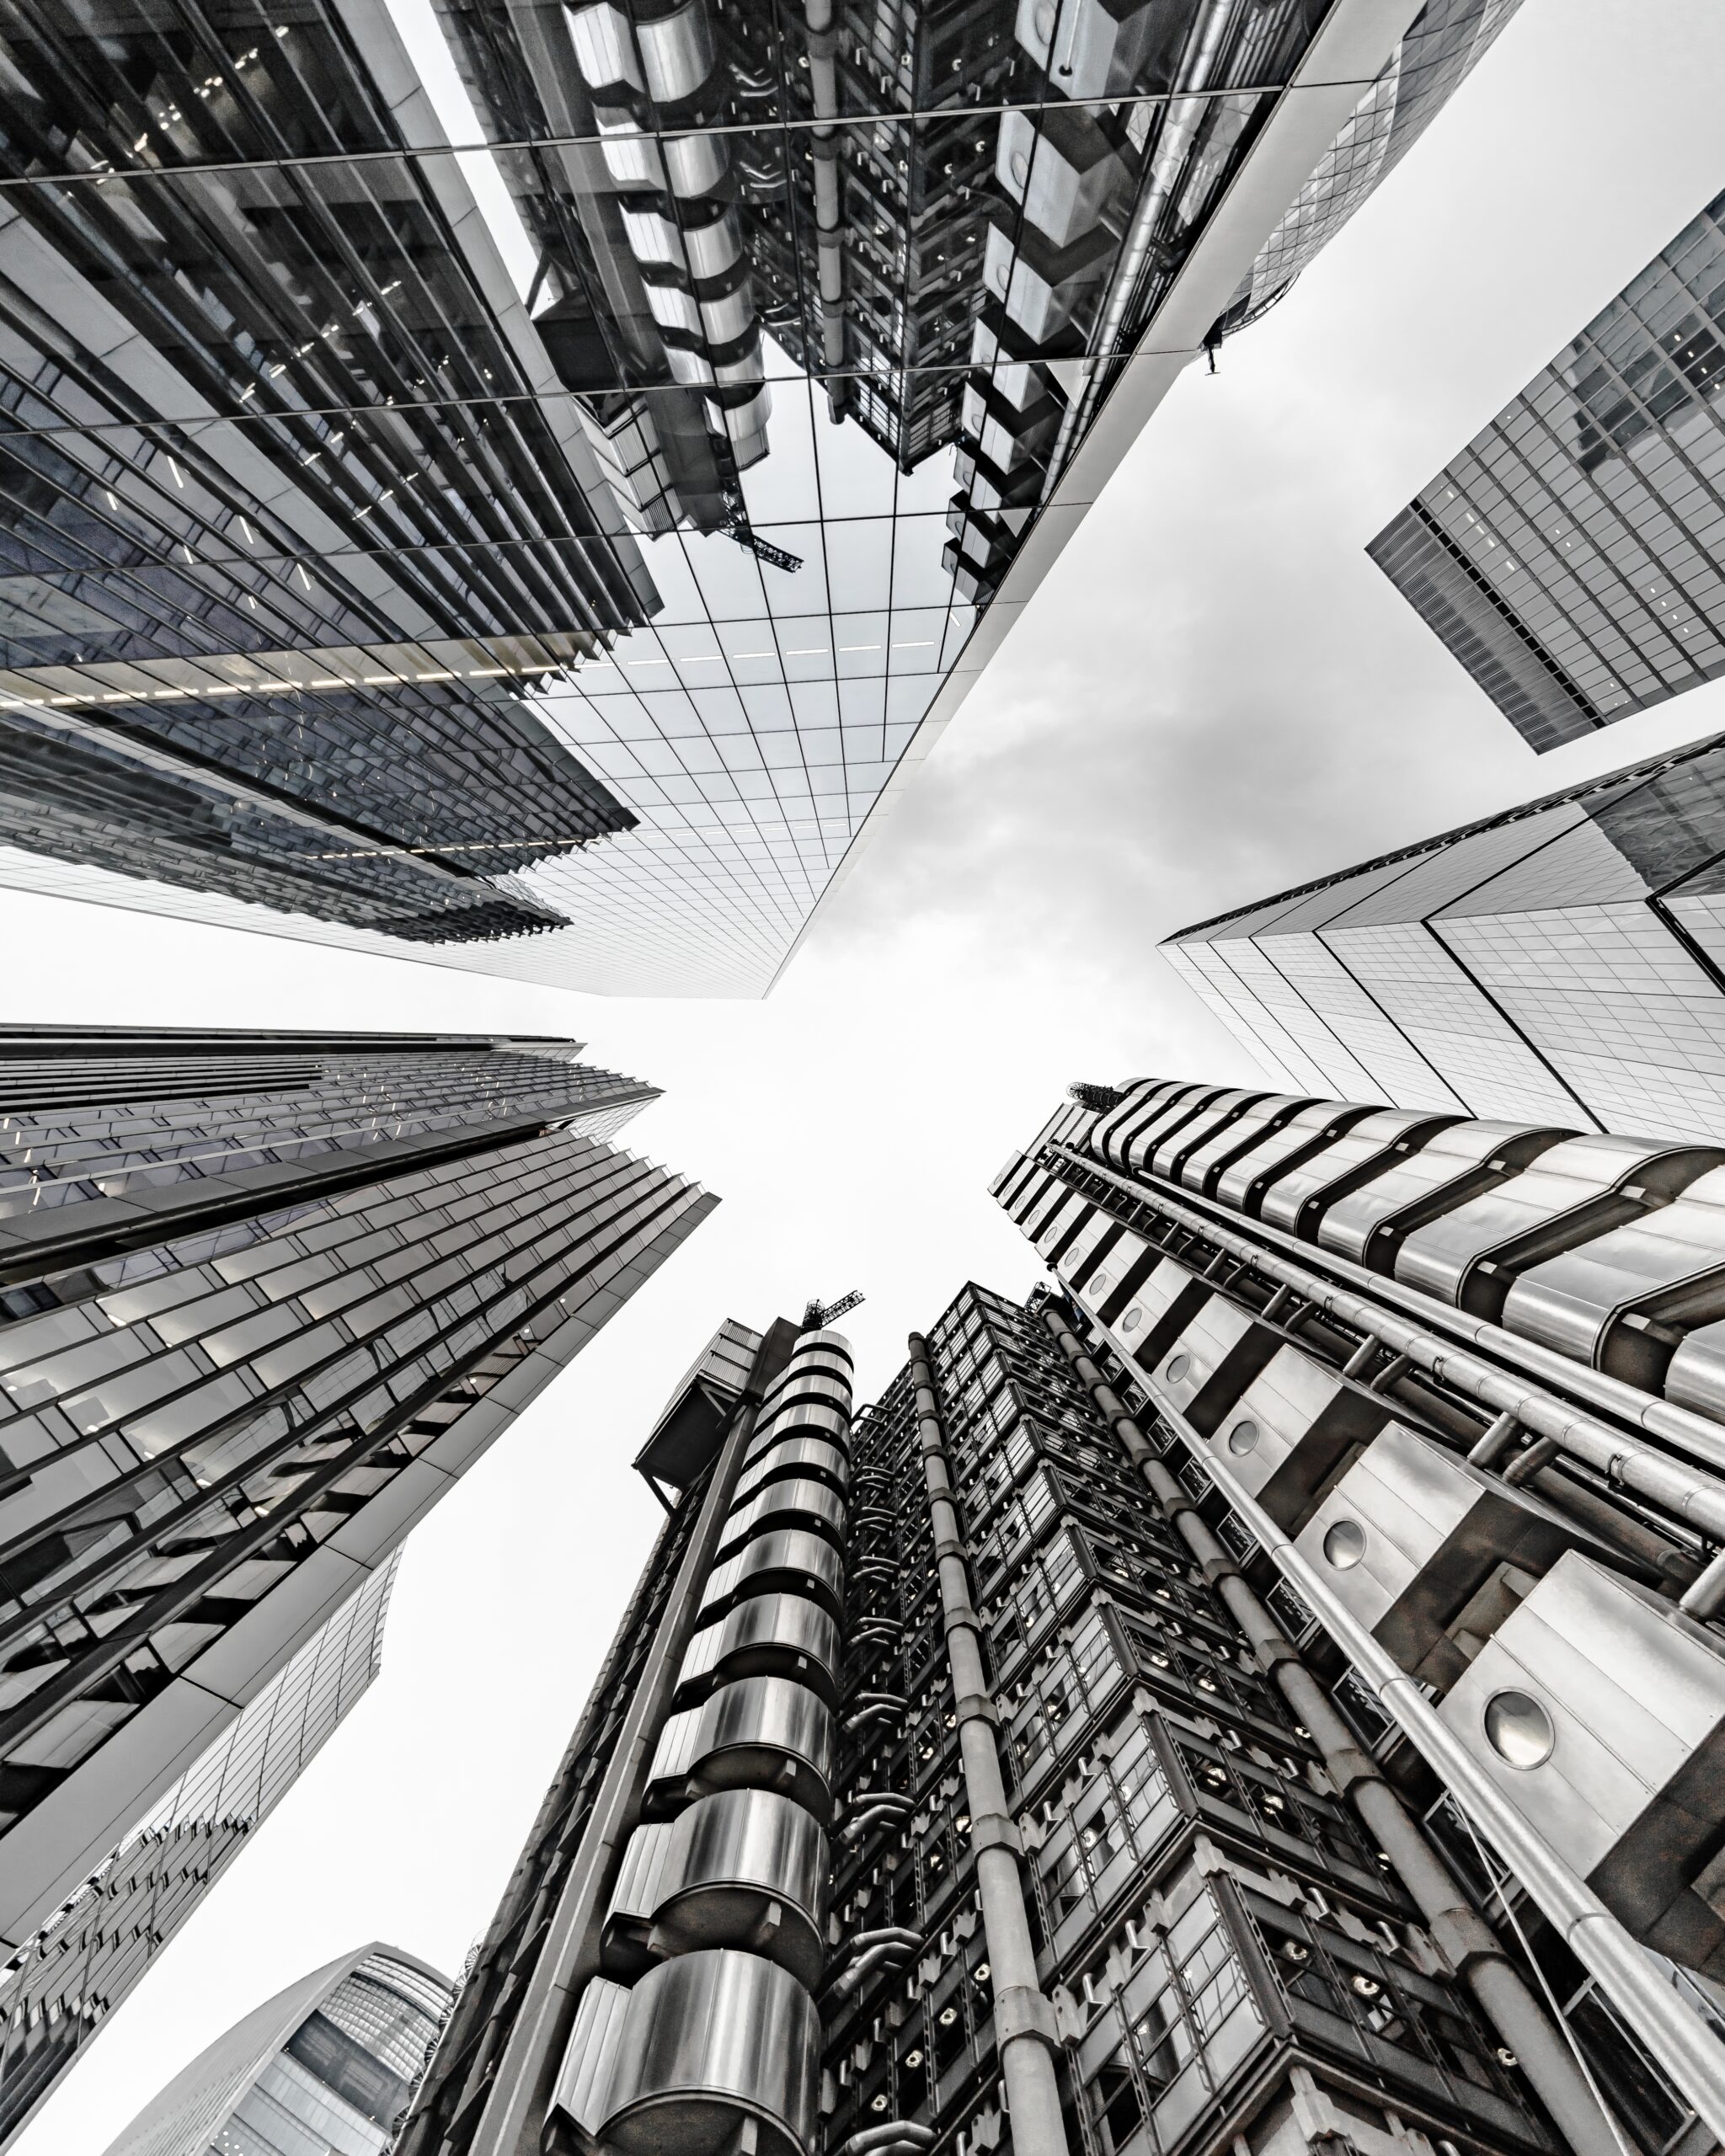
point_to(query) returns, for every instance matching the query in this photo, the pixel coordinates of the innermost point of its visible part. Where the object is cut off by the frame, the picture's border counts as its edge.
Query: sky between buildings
(1215, 694)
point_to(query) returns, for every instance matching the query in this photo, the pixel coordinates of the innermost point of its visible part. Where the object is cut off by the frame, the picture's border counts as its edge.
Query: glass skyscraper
(266, 1297)
(965, 1775)
(325, 2066)
(58, 1989)
(1572, 556)
(1561, 961)
(427, 526)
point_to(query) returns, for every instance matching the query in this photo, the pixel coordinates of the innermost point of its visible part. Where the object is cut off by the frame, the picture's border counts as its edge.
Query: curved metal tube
(1698, 1499)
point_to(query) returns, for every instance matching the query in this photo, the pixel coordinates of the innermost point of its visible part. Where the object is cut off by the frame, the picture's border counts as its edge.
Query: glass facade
(1560, 961)
(268, 1297)
(58, 1991)
(323, 2069)
(1572, 556)
(427, 520)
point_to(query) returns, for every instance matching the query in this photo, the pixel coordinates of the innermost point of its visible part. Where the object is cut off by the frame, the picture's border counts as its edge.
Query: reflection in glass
(516, 481)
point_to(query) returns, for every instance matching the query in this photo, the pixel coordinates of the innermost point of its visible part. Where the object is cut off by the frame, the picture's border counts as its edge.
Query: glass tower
(427, 526)
(1572, 556)
(58, 1989)
(961, 1779)
(1563, 961)
(266, 1298)
(326, 2065)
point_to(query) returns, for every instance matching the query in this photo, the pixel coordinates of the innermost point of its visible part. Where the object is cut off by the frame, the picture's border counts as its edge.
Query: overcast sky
(1215, 694)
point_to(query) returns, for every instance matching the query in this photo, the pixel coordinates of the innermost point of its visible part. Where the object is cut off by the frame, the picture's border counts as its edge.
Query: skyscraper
(1572, 556)
(266, 1298)
(58, 1989)
(1561, 961)
(1070, 1836)
(328, 2064)
(423, 537)
(1429, 1399)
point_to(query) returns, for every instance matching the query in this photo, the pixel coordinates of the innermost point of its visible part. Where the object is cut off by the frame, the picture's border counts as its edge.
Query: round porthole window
(1020, 168)
(1178, 1367)
(1518, 1730)
(1243, 1437)
(1045, 20)
(1345, 1545)
(1099, 1284)
(1132, 1319)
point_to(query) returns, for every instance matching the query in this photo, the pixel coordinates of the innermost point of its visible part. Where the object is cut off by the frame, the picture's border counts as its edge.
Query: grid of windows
(56, 1991)
(1572, 557)
(457, 548)
(1560, 962)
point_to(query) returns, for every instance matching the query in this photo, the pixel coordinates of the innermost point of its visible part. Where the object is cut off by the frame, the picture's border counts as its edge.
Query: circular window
(1099, 1284)
(1518, 1730)
(1132, 1319)
(1178, 1367)
(1046, 18)
(1243, 1437)
(1345, 1545)
(1020, 166)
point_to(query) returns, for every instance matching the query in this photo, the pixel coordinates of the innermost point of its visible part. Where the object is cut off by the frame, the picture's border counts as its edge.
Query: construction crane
(819, 1314)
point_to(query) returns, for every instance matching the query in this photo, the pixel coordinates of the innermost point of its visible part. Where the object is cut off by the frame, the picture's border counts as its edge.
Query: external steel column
(1024, 2020)
(1457, 1929)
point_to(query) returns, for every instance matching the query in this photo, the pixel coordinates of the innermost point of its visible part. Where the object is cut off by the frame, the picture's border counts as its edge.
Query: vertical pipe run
(829, 218)
(1455, 1926)
(1024, 2020)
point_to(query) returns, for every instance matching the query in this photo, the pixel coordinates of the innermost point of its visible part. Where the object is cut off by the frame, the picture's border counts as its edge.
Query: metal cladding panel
(792, 1559)
(1170, 1119)
(1129, 1260)
(645, 1874)
(584, 2084)
(1449, 1169)
(796, 1456)
(1242, 1182)
(1204, 1371)
(756, 1732)
(711, 2037)
(1200, 1167)
(748, 1868)
(1157, 1309)
(1293, 1430)
(1409, 1537)
(1108, 1134)
(821, 1375)
(1098, 1234)
(1062, 1222)
(1694, 1377)
(781, 1505)
(1563, 1196)
(1222, 1112)
(1671, 1261)
(794, 1418)
(769, 1635)
(1598, 1710)
(1298, 1200)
